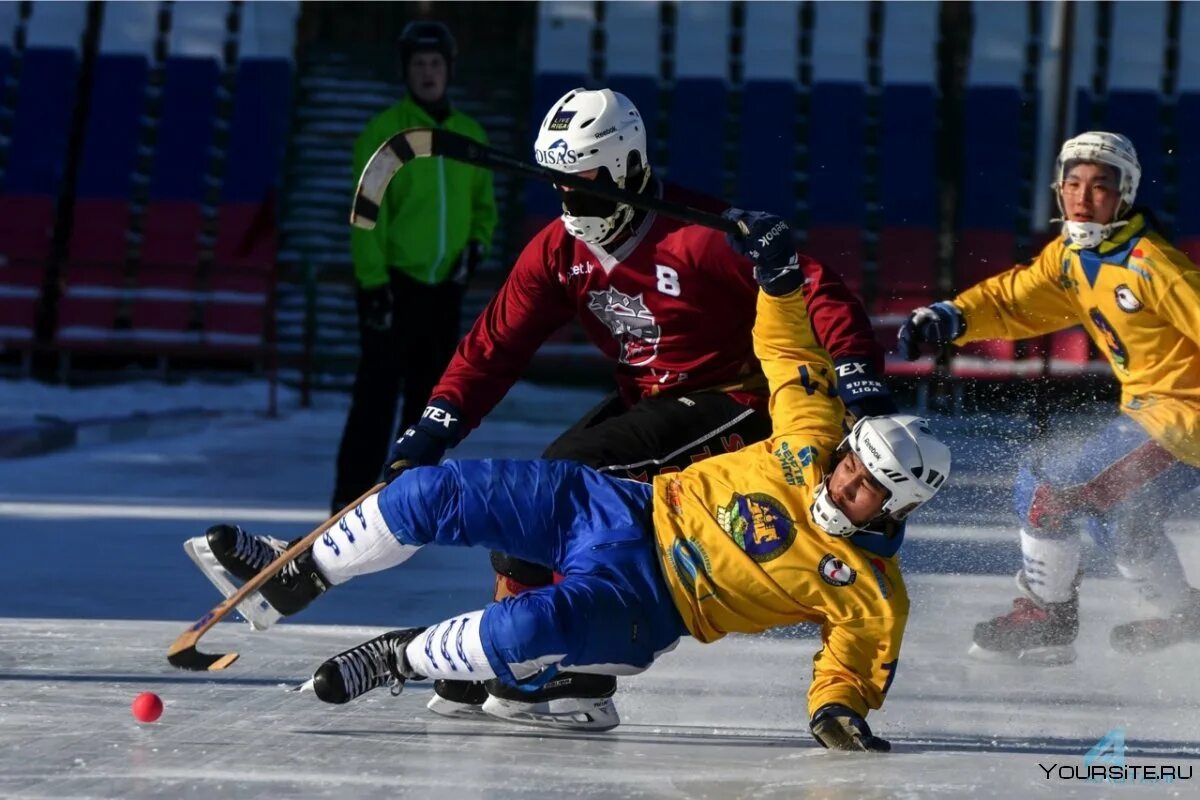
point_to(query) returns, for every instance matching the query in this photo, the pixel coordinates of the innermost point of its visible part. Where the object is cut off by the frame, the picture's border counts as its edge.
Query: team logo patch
(561, 121)
(1116, 348)
(630, 322)
(758, 524)
(836, 572)
(1127, 301)
(689, 561)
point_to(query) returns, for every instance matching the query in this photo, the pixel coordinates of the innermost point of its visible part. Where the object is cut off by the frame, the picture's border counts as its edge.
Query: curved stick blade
(192, 659)
(381, 167)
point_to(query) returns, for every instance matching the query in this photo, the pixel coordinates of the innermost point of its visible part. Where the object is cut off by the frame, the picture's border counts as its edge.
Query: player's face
(427, 76)
(1090, 193)
(855, 491)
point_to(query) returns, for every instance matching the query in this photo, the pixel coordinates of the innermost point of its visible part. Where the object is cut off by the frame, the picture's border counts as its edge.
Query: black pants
(415, 352)
(655, 435)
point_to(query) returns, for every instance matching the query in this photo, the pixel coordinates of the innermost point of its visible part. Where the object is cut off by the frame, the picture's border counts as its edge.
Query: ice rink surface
(95, 586)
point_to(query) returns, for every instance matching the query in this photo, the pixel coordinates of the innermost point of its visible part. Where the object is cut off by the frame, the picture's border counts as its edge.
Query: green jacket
(432, 208)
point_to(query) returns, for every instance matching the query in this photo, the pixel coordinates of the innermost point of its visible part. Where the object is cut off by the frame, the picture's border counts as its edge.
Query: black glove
(838, 727)
(771, 244)
(938, 324)
(375, 307)
(425, 442)
(468, 262)
(864, 392)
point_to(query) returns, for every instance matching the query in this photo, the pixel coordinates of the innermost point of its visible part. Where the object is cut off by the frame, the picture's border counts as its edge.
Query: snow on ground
(96, 586)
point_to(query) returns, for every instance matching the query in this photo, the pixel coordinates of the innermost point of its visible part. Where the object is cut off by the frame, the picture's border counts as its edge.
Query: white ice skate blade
(449, 708)
(1055, 656)
(567, 713)
(254, 609)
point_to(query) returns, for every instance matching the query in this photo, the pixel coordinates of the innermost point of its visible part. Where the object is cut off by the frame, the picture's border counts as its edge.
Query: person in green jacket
(435, 225)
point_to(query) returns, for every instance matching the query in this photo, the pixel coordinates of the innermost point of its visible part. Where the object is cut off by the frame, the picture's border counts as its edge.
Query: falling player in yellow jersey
(1139, 299)
(742, 542)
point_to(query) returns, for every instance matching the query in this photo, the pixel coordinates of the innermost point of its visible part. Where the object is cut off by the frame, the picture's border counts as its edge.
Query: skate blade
(449, 708)
(1056, 656)
(568, 713)
(254, 609)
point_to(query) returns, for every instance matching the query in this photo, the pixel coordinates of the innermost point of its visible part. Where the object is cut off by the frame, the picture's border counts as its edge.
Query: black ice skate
(458, 699)
(226, 553)
(570, 701)
(1149, 635)
(372, 664)
(1032, 633)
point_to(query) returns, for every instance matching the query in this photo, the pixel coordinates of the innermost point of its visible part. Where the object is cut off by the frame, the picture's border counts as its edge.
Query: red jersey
(673, 307)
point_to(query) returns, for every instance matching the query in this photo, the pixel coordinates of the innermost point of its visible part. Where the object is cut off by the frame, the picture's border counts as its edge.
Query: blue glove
(838, 727)
(771, 244)
(864, 392)
(425, 442)
(938, 324)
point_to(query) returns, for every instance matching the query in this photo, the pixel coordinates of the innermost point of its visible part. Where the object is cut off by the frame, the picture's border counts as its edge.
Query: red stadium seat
(247, 235)
(87, 310)
(908, 263)
(1191, 248)
(20, 288)
(981, 254)
(841, 249)
(98, 232)
(171, 235)
(26, 228)
(237, 308)
(163, 304)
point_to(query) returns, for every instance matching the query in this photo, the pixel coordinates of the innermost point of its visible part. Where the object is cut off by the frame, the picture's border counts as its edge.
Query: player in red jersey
(672, 305)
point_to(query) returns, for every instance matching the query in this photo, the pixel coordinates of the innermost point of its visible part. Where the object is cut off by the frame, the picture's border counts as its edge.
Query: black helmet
(424, 35)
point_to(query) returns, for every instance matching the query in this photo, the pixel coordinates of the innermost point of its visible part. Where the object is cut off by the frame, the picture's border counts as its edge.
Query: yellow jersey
(740, 551)
(1137, 297)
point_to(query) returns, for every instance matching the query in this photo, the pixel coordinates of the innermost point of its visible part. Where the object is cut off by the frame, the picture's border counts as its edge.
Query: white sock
(452, 650)
(1160, 579)
(1050, 565)
(359, 544)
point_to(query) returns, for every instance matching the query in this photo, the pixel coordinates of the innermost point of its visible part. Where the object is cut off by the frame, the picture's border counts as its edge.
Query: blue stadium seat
(766, 177)
(697, 134)
(836, 143)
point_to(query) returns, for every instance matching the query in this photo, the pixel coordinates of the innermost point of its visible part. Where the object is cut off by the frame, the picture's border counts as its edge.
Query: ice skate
(226, 554)
(1150, 635)
(459, 699)
(370, 665)
(569, 701)
(1034, 632)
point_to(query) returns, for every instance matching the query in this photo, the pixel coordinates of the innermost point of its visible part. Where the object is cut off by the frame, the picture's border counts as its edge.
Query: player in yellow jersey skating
(1139, 299)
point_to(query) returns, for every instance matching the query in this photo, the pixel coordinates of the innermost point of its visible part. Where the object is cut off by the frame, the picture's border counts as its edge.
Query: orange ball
(147, 707)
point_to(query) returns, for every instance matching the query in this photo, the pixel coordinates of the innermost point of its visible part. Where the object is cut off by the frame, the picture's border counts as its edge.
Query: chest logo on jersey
(836, 572)
(1127, 301)
(758, 524)
(631, 324)
(1116, 348)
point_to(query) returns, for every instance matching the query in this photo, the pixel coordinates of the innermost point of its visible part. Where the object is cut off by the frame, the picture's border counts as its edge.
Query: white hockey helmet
(1098, 147)
(900, 453)
(587, 130)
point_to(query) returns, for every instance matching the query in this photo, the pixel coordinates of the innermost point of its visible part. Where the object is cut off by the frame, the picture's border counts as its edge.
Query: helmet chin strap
(1089, 234)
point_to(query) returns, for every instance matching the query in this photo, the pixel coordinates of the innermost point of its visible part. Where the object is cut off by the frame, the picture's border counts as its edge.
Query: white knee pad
(1050, 565)
(359, 544)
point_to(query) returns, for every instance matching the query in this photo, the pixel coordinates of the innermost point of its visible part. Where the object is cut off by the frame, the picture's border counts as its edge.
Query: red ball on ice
(147, 707)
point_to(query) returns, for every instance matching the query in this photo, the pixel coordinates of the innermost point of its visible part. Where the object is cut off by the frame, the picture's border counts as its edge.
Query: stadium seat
(20, 288)
(87, 310)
